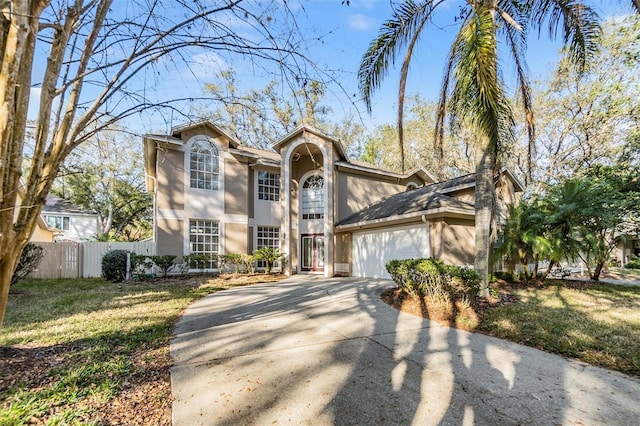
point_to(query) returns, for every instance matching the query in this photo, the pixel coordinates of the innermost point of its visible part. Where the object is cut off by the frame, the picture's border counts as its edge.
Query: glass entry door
(312, 252)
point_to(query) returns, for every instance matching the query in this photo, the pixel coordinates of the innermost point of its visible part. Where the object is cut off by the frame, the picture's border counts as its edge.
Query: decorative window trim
(204, 165)
(313, 197)
(268, 186)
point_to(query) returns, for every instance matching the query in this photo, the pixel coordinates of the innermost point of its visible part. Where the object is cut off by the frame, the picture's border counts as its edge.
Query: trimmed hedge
(432, 277)
(114, 265)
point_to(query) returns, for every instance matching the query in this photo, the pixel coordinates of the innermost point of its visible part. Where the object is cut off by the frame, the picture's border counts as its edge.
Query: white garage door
(372, 249)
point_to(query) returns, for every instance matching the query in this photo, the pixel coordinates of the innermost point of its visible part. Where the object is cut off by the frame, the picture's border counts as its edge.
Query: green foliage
(114, 265)
(106, 175)
(30, 258)
(633, 263)
(140, 266)
(237, 263)
(270, 255)
(200, 261)
(164, 262)
(583, 217)
(432, 277)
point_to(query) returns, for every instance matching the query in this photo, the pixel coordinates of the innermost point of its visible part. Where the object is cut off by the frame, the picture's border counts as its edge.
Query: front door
(312, 252)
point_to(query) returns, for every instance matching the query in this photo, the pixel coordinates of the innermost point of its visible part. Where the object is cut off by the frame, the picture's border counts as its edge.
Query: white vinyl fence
(82, 260)
(93, 252)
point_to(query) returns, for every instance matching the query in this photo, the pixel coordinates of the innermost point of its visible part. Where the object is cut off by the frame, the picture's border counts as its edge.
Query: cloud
(205, 63)
(360, 22)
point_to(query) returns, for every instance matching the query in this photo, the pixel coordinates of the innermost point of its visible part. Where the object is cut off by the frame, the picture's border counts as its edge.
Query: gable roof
(177, 131)
(54, 204)
(425, 202)
(303, 128)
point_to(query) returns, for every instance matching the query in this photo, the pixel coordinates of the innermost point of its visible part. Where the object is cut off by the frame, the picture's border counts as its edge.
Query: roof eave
(406, 218)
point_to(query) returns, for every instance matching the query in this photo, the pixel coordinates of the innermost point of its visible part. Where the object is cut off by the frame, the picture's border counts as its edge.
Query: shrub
(633, 264)
(248, 263)
(114, 265)
(504, 275)
(432, 277)
(270, 255)
(140, 264)
(30, 258)
(231, 262)
(200, 261)
(164, 263)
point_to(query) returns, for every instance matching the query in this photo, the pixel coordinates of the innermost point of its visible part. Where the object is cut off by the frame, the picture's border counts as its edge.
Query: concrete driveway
(317, 351)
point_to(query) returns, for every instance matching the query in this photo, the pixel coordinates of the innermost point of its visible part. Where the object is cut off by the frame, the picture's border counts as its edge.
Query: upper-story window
(58, 222)
(312, 198)
(204, 165)
(268, 186)
(411, 186)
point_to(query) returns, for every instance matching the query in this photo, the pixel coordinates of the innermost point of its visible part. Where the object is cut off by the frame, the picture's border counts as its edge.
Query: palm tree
(472, 88)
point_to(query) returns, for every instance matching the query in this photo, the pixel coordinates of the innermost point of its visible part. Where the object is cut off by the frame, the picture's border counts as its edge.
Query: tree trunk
(484, 198)
(596, 272)
(8, 262)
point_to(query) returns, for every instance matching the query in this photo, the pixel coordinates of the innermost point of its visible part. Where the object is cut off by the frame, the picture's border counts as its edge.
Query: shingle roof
(55, 204)
(422, 200)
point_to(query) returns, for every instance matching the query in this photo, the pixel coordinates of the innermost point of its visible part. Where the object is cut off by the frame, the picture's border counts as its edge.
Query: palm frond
(580, 26)
(517, 44)
(478, 93)
(406, 22)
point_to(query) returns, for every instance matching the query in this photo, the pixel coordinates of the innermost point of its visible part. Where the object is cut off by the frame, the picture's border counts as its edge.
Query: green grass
(96, 328)
(599, 324)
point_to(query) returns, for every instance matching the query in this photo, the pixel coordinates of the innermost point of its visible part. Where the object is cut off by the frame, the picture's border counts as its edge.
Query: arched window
(411, 186)
(313, 198)
(204, 165)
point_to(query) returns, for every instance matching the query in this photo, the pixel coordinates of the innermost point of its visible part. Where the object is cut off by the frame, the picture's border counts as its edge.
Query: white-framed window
(268, 236)
(313, 197)
(411, 186)
(268, 186)
(204, 239)
(58, 222)
(204, 165)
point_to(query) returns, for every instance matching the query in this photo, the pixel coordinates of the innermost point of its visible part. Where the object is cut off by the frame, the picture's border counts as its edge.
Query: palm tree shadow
(414, 371)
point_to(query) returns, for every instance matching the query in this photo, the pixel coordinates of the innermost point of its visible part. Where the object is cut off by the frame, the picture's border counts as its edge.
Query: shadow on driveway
(310, 350)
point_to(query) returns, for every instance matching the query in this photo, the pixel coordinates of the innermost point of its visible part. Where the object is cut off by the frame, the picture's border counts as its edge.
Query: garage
(371, 249)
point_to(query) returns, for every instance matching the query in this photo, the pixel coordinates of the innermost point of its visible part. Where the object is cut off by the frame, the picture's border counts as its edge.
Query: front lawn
(595, 323)
(94, 352)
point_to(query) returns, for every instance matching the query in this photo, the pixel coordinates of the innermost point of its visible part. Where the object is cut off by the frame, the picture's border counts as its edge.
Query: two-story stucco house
(326, 213)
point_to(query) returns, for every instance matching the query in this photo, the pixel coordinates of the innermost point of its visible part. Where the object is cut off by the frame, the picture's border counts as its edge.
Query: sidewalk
(321, 351)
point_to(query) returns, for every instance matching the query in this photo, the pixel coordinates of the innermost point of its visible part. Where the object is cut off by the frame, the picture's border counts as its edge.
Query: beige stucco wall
(169, 236)
(466, 195)
(236, 187)
(235, 238)
(171, 176)
(41, 235)
(356, 192)
(342, 253)
(222, 141)
(453, 240)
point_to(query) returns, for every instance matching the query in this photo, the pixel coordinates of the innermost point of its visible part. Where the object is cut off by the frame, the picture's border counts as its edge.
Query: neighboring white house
(73, 222)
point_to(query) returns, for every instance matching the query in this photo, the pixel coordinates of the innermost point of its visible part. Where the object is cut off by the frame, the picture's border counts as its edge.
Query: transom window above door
(203, 162)
(313, 197)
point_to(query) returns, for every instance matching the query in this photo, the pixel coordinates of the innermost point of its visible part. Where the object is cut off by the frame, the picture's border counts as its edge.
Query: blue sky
(337, 37)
